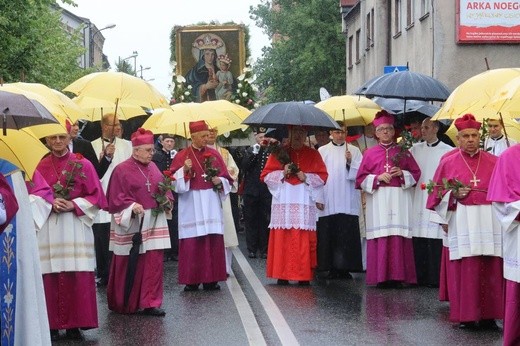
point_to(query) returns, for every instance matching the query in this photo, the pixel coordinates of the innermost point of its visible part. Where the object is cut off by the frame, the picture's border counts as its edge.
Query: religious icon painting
(210, 58)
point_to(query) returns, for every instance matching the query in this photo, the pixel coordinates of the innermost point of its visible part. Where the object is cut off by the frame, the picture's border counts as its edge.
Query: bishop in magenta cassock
(504, 192)
(66, 242)
(475, 282)
(201, 223)
(387, 175)
(131, 190)
(291, 253)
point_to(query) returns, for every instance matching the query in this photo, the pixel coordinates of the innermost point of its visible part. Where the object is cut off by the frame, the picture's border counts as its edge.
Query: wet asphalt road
(251, 309)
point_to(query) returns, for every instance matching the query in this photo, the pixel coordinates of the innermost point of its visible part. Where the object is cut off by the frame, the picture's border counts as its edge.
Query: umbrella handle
(4, 123)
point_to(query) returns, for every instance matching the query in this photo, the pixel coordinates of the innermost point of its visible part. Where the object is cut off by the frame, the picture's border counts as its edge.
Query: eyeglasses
(381, 129)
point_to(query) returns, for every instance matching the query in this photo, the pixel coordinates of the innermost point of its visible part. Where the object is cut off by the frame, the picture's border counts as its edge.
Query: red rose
(407, 127)
(79, 156)
(207, 155)
(423, 186)
(168, 173)
(416, 134)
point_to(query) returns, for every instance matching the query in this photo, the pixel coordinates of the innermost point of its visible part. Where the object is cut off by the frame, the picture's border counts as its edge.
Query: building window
(358, 45)
(397, 17)
(425, 7)
(409, 13)
(372, 31)
(350, 48)
(368, 31)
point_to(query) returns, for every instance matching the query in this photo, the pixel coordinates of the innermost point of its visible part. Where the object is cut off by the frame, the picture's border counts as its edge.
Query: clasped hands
(388, 176)
(287, 171)
(61, 205)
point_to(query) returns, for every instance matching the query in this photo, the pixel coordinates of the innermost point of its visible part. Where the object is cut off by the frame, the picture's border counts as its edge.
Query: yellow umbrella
(95, 108)
(120, 88)
(511, 126)
(176, 119)
(475, 93)
(22, 149)
(59, 104)
(354, 110)
(507, 98)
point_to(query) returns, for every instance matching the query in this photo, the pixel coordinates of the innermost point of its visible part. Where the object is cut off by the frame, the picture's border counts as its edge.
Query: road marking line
(251, 327)
(279, 323)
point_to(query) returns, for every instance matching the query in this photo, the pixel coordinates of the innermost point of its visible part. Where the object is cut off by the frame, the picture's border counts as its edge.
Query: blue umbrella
(290, 113)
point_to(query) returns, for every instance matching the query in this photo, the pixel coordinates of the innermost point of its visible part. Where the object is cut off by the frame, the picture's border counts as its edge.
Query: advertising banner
(490, 21)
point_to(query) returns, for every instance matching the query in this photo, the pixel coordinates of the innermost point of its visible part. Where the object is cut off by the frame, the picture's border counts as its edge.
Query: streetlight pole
(91, 41)
(141, 69)
(134, 55)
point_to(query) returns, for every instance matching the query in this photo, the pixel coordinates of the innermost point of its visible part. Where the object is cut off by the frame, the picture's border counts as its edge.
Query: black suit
(85, 148)
(257, 201)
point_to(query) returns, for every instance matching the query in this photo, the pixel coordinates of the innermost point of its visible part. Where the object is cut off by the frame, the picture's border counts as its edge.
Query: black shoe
(74, 334)
(166, 258)
(175, 258)
(264, 256)
(304, 283)
(191, 288)
(282, 282)
(468, 325)
(153, 312)
(487, 324)
(55, 334)
(102, 282)
(252, 254)
(213, 286)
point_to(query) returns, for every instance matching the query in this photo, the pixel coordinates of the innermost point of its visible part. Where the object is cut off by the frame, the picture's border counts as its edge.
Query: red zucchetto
(197, 126)
(141, 137)
(467, 121)
(383, 117)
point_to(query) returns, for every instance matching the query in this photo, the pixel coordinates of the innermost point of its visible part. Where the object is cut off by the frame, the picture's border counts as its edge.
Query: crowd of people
(430, 215)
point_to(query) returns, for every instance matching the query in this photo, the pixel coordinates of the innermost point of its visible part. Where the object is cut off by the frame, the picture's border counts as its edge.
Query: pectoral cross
(475, 181)
(148, 184)
(387, 167)
(204, 175)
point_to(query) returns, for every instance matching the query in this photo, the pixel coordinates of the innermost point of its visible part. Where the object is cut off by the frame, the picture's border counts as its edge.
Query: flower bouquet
(408, 138)
(210, 172)
(63, 191)
(275, 148)
(453, 185)
(163, 202)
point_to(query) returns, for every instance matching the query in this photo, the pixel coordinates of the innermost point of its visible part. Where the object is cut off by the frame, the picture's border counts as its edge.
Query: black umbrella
(17, 111)
(396, 106)
(405, 85)
(133, 256)
(290, 113)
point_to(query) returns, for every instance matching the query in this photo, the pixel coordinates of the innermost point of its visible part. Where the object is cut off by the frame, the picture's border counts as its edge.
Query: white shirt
(339, 193)
(496, 146)
(426, 223)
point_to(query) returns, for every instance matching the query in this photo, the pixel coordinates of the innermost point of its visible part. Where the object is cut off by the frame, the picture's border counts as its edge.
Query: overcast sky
(145, 27)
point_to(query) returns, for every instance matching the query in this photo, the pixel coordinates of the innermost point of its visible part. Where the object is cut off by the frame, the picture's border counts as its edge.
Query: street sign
(390, 69)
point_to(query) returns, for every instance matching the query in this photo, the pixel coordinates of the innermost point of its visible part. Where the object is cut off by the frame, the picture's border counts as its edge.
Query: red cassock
(70, 295)
(291, 252)
(475, 282)
(11, 205)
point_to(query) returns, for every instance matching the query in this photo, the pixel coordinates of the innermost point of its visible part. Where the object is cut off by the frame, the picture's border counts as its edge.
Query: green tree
(308, 51)
(124, 66)
(35, 46)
